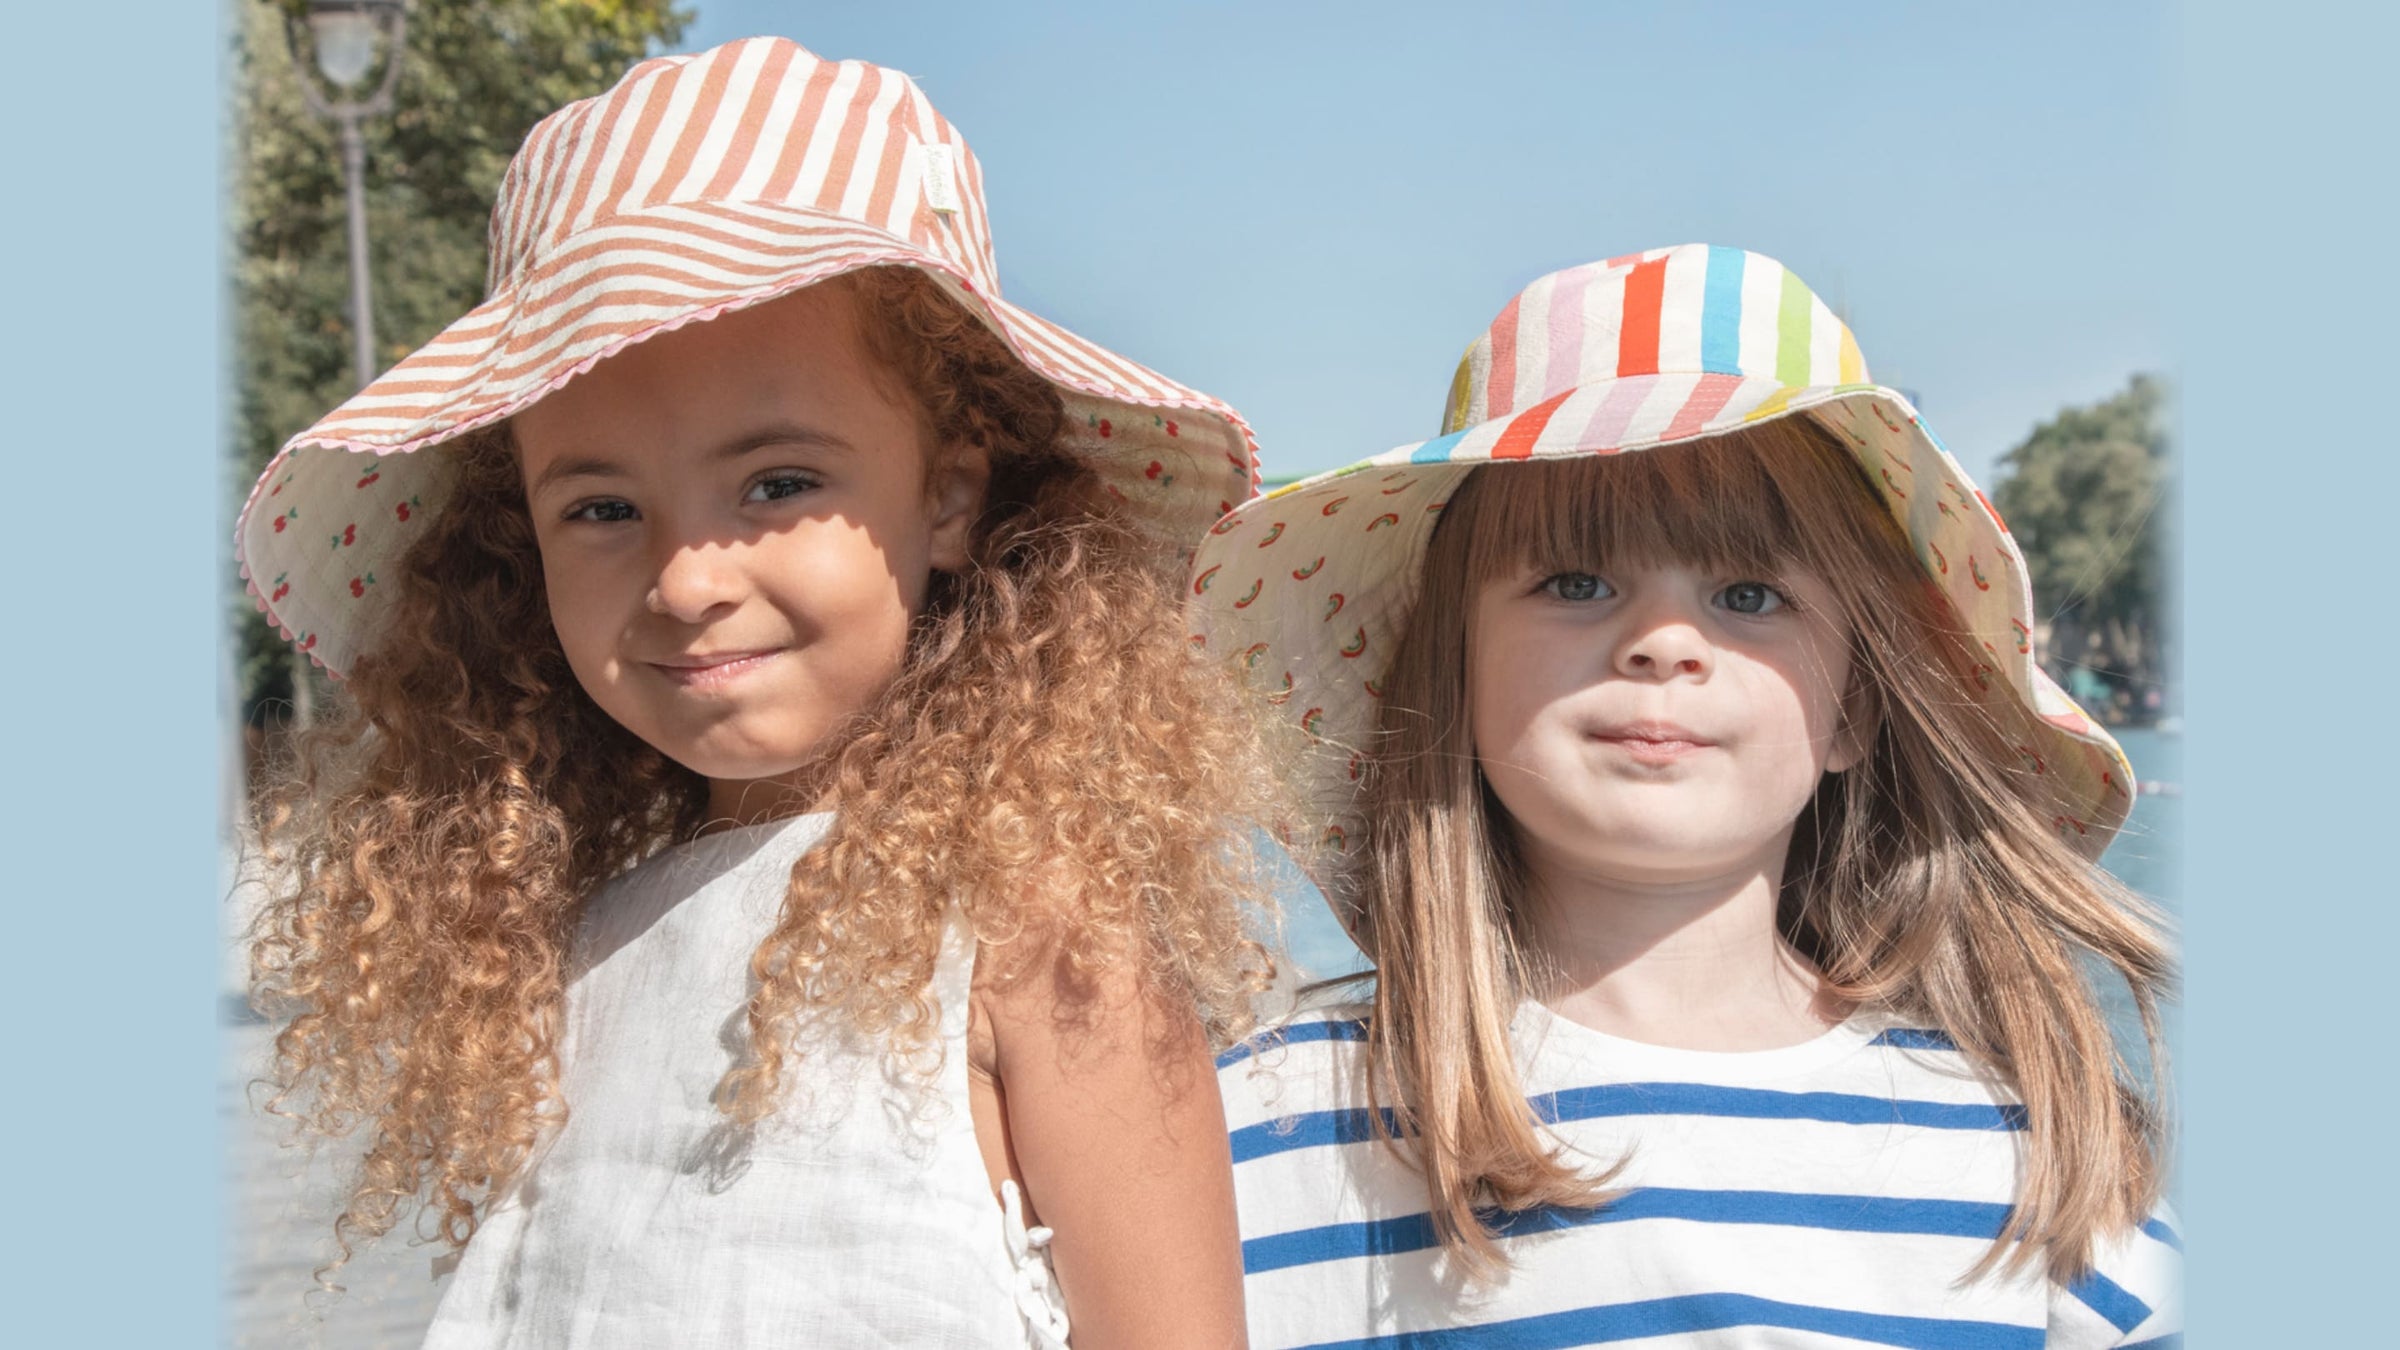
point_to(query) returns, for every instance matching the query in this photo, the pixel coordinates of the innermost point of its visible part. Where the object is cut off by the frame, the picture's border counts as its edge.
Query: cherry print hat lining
(1309, 587)
(699, 184)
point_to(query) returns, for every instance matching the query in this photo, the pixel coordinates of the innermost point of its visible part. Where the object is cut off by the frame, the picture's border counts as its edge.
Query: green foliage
(476, 76)
(2083, 495)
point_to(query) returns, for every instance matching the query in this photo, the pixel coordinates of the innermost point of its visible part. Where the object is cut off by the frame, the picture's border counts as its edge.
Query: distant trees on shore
(2088, 496)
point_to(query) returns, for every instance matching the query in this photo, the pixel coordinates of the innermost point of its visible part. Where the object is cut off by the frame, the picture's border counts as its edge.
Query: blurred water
(2146, 853)
(2147, 856)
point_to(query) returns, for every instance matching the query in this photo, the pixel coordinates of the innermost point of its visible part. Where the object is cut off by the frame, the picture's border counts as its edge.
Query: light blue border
(2287, 306)
(115, 546)
(114, 542)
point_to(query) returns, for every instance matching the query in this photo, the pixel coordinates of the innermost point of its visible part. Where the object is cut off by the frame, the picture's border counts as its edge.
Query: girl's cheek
(1501, 723)
(586, 619)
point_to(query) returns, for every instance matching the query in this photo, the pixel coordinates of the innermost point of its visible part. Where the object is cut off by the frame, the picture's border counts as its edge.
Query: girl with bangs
(1723, 857)
(775, 842)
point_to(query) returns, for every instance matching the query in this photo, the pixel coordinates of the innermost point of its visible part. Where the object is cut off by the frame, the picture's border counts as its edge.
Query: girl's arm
(1108, 1108)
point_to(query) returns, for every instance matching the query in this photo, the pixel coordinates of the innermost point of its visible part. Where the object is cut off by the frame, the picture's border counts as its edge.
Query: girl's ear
(1862, 719)
(955, 498)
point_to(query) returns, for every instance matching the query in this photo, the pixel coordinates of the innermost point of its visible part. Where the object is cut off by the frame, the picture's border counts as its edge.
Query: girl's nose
(1662, 645)
(694, 582)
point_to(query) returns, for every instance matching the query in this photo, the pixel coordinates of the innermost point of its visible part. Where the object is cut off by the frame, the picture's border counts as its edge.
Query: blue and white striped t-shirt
(1833, 1193)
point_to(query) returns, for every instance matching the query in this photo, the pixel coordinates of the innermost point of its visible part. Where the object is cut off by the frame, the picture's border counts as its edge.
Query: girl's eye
(1751, 597)
(1576, 587)
(606, 510)
(776, 487)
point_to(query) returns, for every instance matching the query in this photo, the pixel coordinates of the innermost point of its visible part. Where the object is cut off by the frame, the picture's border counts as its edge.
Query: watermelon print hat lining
(1309, 588)
(698, 185)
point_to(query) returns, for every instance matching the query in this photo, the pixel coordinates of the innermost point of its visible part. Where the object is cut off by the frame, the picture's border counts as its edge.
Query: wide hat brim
(1309, 588)
(327, 520)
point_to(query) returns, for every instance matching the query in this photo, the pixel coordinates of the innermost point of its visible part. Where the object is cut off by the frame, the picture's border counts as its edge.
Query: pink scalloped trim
(988, 309)
(281, 630)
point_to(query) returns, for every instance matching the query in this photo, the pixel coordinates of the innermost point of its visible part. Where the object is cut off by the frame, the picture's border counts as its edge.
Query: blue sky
(1309, 210)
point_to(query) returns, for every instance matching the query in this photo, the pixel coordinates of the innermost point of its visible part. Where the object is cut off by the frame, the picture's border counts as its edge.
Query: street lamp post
(345, 36)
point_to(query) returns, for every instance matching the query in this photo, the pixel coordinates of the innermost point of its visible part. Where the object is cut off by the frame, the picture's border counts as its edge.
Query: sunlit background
(1309, 211)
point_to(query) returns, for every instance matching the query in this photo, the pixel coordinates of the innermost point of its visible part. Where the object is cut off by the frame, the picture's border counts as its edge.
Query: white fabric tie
(1037, 1288)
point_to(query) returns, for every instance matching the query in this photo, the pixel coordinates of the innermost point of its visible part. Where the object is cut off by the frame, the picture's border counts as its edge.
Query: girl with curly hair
(1723, 856)
(774, 843)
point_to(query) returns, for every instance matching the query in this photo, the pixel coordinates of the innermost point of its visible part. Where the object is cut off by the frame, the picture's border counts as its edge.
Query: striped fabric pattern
(696, 185)
(1308, 588)
(1702, 310)
(1832, 1193)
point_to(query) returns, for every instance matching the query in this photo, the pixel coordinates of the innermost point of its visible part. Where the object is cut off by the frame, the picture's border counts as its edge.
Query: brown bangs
(1769, 498)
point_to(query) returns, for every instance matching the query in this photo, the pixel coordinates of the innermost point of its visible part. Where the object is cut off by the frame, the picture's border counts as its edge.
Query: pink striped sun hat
(1310, 587)
(698, 185)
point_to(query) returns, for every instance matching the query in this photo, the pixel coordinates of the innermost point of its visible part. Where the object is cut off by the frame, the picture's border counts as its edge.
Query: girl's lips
(715, 670)
(1653, 742)
(1652, 752)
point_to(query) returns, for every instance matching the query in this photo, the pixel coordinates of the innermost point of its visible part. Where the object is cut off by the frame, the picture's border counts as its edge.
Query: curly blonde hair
(437, 837)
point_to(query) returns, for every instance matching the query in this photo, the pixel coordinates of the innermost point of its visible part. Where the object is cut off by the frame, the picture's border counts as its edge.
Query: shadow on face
(739, 521)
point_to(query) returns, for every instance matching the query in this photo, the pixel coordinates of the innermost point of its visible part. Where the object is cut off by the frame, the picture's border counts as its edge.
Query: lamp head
(346, 34)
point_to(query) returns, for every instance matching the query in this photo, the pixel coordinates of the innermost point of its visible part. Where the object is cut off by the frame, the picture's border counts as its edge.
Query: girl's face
(1659, 724)
(737, 529)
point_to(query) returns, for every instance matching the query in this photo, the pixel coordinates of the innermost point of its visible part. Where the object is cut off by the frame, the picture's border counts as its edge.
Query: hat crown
(1694, 309)
(760, 120)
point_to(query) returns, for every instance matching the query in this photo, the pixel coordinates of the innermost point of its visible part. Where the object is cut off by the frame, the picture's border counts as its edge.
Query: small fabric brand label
(941, 178)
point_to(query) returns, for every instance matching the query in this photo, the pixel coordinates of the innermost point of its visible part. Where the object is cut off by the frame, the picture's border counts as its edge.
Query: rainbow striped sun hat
(1310, 587)
(698, 185)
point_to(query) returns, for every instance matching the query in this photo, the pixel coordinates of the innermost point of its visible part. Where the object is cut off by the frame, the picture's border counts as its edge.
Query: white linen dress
(859, 1215)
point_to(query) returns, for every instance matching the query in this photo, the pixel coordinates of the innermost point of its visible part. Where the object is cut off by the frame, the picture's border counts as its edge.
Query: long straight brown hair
(1925, 882)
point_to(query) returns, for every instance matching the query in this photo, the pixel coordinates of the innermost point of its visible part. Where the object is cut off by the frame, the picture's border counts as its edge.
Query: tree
(476, 76)
(2083, 495)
